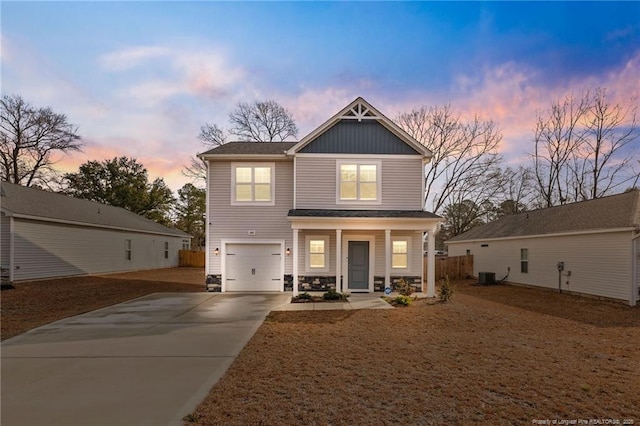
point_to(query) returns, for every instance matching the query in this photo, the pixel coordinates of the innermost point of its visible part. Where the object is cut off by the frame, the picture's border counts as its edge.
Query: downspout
(11, 249)
(634, 267)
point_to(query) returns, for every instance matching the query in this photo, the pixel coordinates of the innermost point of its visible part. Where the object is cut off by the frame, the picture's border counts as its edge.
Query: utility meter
(560, 266)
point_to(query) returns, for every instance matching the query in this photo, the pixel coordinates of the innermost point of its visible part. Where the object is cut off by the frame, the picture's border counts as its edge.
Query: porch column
(387, 258)
(431, 263)
(339, 288)
(295, 261)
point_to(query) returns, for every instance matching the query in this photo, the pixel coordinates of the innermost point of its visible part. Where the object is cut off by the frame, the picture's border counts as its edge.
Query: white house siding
(415, 254)
(234, 222)
(5, 240)
(43, 250)
(316, 183)
(600, 264)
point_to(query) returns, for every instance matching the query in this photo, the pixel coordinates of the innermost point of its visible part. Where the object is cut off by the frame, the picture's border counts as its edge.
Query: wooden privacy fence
(454, 267)
(193, 258)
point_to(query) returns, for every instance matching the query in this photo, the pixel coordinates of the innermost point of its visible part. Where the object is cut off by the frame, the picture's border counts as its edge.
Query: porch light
(288, 251)
(216, 251)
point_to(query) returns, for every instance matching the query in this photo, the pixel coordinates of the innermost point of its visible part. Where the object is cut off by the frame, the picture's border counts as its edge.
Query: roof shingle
(256, 148)
(21, 200)
(615, 211)
(363, 213)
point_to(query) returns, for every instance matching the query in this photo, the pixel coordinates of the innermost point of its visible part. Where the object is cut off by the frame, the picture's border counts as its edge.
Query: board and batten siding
(233, 222)
(600, 264)
(401, 183)
(45, 249)
(5, 240)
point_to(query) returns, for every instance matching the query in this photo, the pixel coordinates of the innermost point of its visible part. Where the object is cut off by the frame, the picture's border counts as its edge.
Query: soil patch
(32, 304)
(491, 355)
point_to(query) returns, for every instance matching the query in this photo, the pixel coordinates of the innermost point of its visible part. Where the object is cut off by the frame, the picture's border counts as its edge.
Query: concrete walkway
(354, 301)
(149, 361)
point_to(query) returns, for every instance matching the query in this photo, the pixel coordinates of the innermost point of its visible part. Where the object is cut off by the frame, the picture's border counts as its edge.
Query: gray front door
(359, 265)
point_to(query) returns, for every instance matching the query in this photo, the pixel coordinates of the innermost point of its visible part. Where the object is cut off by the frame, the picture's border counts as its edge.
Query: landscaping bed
(491, 355)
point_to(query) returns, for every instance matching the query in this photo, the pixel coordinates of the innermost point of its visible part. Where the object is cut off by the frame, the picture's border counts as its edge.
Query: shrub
(403, 287)
(334, 295)
(446, 289)
(301, 297)
(401, 300)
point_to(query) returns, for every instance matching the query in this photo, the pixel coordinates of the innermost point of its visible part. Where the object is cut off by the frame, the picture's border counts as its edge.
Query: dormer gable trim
(360, 110)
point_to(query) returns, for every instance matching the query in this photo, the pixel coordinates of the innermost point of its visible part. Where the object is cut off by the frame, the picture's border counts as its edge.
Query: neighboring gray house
(45, 235)
(597, 241)
(341, 209)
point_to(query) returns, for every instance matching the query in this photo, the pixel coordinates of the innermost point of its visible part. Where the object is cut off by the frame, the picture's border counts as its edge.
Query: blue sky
(139, 78)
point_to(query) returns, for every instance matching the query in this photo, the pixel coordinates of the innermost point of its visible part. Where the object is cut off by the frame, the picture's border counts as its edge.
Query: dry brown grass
(32, 304)
(493, 355)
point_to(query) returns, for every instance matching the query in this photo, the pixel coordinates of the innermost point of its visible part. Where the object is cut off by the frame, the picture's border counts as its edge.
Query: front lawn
(492, 355)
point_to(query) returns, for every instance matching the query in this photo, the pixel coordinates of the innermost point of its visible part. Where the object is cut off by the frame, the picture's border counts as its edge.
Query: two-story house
(342, 208)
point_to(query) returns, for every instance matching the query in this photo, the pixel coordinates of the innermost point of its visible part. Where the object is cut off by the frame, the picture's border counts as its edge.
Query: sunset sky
(140, 78)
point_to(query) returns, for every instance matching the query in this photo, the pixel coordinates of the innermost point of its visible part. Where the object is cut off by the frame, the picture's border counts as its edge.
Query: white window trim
(327, 255)
(359, 162)
(523, 261)
(272, 202)
(408, 240)
(128, 250)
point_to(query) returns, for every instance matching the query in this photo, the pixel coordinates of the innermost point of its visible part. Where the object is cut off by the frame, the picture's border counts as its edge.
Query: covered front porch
(358, 251)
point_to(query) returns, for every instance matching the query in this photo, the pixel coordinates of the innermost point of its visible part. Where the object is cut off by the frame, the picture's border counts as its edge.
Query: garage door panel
(254, 267)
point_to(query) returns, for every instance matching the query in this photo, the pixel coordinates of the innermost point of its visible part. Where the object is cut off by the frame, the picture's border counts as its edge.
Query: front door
(359, 265)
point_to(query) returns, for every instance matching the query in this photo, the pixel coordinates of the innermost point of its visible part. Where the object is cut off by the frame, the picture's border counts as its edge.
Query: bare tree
(265, 121)
(464, 153)
(556, 139)
(604, 163)
(584, 148)
(516, 190)
(29, 137)
(211, 136)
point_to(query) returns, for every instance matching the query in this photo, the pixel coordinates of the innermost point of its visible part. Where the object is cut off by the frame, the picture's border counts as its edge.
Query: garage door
(254, 267)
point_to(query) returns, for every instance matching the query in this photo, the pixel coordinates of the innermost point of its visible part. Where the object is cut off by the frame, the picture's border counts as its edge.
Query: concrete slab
(355, 301)
(147, 361)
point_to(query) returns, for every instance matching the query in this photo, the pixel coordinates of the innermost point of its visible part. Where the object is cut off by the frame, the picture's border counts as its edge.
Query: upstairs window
(358, 182)
(253, 184)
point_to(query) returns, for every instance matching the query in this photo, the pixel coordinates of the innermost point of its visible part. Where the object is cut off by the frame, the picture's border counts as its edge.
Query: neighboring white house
(45, 235)
(591, 247)
(340, 209)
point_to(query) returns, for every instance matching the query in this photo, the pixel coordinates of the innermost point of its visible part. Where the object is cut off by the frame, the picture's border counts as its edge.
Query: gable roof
(31, 203)
(249, 148)
(612, 212)
(360, 110)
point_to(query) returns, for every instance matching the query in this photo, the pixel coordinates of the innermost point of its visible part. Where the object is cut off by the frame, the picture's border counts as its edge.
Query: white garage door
(254, 267)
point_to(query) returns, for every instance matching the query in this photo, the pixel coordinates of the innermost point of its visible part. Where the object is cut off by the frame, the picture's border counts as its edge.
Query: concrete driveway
(149, 361)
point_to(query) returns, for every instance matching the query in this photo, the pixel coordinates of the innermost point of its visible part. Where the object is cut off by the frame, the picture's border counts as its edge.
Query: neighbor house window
(400, 254)
(317, 253)
(358, 181)
(253, 183)
(127, 249)
(186, 244)
(524, 261)
(166, 249)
